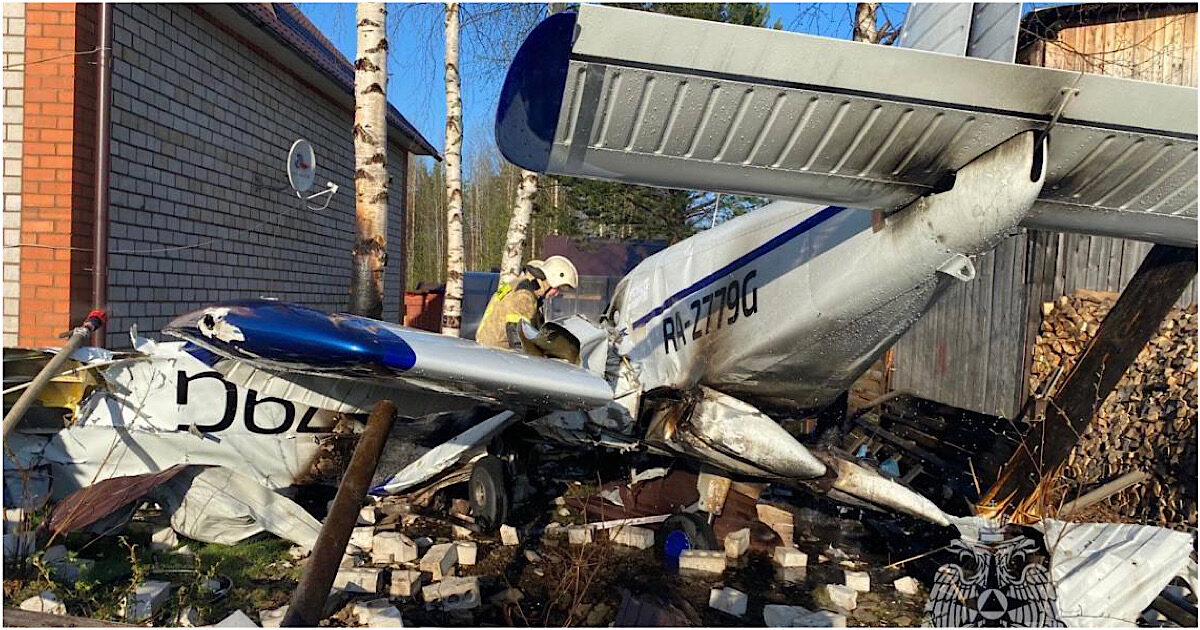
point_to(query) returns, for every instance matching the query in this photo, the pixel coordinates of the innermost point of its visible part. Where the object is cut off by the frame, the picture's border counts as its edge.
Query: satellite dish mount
(302, 172)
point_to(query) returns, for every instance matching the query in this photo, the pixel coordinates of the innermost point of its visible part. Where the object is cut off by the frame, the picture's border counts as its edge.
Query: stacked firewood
(1148, 423)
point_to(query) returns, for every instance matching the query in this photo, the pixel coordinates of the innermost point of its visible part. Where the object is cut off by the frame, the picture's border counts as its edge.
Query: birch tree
(370, 161)
(866, 22)
(452, 306)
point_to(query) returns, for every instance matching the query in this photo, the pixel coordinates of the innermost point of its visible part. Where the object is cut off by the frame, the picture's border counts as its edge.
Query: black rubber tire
(699, 533)
(488, 492)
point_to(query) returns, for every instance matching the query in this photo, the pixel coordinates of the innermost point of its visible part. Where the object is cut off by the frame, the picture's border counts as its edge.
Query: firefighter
(520, 301)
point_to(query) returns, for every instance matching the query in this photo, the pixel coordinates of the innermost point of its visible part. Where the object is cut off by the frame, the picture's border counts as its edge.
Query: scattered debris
(779, 520)
(236, 620)
(439, 561)
(466, 552)
(728, 600)
(406, 583)
(737, 543)
(790, 557)
(907, 585)
(453, 594)
(47, 602)
(633, 536)
(362, 538)
(783, 616)
(146, 600)
(579, 535)
(272, 618)
(358, 579)
(702, 561)
(859, 581)
(378, 613)
(164, 538)
(509, 535)
(392, 547)
(836, 596)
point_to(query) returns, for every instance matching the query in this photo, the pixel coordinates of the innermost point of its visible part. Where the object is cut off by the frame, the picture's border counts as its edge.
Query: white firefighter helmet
(559, 271)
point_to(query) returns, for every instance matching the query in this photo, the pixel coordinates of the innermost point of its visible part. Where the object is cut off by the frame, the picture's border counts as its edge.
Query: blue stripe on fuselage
(743, 260)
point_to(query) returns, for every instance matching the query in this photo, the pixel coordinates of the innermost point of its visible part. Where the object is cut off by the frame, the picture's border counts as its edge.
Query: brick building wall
(57, 154)
(201, 125)
(14, 91)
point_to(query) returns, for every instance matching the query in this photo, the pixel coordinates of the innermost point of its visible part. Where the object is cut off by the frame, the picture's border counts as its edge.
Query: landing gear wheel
(684, 531)
(488, 490)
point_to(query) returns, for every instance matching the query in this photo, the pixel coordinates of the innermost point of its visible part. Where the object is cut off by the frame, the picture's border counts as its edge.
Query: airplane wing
(664, 101)
(346, 363)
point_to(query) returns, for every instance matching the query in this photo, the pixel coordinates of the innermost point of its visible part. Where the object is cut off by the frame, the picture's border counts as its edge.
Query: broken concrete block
(781, 616)
(66, 569)
(358, 579)
(554, 529)
(406, 583)
(467, 552)
(237, 620)
(532, 556)
(579, 535)
(378, 613)
(837, 596)
(820, 619)
(46, 602)
(453, 594)
(392, 547)
(713, 490)
(907, 585)
(728, 600)
(298, 552)
(439, 561)
(632, 536)
(146, 600)
(367, 516)
(859, 581)
(188, 617)
(461, 532)
(272, 618)
(509, 535)
(702, 561)
(737, 543)
(164, 538)
(790, 557)
(461, 507)
(362, 537)
(779, 520)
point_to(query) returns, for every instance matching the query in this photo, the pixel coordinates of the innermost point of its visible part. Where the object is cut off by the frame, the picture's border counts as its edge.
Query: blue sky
(415, 80)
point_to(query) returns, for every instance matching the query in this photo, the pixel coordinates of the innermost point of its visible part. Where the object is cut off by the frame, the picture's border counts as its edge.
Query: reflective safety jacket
(508, 307)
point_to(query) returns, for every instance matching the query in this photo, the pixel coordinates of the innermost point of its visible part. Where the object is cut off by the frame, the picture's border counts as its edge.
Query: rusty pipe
(308, 600)
(95, 320)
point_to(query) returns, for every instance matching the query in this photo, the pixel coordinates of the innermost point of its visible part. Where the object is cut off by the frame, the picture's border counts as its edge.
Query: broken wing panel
(665, 101)
(283, 338)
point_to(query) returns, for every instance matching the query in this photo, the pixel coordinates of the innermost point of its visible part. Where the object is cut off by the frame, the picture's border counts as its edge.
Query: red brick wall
(57, 170)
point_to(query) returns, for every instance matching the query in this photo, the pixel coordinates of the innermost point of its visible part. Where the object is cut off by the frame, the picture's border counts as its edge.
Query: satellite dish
(301, 166)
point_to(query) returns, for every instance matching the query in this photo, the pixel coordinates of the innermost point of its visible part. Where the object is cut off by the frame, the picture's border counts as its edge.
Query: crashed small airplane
(930, 159)
(774, 313)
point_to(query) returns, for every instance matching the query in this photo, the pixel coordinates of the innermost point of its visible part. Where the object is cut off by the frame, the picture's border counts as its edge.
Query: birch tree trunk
(370, 162)
(866, 22)
(452, 305)
(518, 226)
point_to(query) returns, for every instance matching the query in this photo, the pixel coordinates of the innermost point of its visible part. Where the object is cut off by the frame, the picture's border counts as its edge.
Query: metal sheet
(942, 27)
(994, 29)
(665, 101)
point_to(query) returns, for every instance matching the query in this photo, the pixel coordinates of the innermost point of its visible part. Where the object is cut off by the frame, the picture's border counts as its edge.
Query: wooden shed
(973, 349)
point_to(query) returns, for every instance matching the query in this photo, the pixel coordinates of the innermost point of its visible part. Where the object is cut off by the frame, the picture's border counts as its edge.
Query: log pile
(1148, 423)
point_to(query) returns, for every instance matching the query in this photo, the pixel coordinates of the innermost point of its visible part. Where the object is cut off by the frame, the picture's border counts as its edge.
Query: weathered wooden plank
(17, 618)
(1121, 335)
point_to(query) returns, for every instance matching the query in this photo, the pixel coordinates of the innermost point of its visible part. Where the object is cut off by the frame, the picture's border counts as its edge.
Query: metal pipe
(103, 132)
(95, 320)
(308, 600)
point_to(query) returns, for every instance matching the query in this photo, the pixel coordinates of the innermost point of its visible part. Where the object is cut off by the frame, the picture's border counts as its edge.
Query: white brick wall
(201, 130)
(14, 116)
